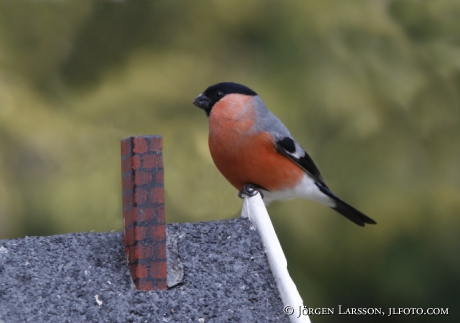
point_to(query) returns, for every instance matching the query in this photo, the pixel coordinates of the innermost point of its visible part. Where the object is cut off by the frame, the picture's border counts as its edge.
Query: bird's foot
(250, 190)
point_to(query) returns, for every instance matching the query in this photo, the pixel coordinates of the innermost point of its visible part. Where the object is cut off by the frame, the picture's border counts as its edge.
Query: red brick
(139, 271)
(133, 255)
(126, 165)
(127, 199)
(157, 195)
(140, 196)
(125, 238)
(146, 214)
(128, 217)
(150, 161)
(137, 162)
(158, 270)
(127, 182)
(161, 285)
(160, 251)
(130, 236)
(140, 233)
(126, 147)
(130, 255)
(143, 284)
(158, 233)
(159, 176)
(142, 178)
(132, 217)
(160, 218)
(156, 144)
(144, 251)
(140, 145)
(137, 155)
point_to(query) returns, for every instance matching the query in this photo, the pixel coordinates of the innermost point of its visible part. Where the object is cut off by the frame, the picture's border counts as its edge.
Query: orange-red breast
(253, 149)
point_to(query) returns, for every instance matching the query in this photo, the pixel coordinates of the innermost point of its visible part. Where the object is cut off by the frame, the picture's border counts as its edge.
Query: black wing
(288, 147)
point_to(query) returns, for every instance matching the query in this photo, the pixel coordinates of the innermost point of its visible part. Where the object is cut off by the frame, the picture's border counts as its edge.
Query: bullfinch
(255, 152)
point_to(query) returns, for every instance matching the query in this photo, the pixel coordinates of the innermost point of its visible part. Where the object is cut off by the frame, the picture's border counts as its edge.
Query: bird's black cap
(215, 92)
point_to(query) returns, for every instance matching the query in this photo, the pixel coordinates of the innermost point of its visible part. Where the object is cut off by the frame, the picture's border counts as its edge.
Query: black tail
(346, 210)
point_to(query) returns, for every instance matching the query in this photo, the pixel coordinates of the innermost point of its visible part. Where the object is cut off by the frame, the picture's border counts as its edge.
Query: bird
(256, 153)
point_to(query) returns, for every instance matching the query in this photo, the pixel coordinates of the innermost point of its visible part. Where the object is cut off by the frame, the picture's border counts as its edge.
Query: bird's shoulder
(284, 142)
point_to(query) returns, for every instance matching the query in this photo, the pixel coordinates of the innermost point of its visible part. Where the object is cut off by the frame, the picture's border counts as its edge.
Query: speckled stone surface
(63, 278)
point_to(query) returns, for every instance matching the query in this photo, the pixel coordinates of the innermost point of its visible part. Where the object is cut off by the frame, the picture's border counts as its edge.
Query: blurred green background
(371, 89)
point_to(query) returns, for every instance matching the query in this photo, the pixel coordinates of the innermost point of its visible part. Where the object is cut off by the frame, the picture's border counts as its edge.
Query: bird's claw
(249, 190)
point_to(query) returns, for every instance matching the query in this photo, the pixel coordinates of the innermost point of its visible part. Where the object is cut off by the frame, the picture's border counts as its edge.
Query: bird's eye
(219, 94)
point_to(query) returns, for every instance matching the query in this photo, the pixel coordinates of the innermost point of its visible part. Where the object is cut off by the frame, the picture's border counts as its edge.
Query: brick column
(144, 232)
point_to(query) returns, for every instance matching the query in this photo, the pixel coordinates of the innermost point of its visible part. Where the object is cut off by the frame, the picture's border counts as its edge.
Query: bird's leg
(250, 190)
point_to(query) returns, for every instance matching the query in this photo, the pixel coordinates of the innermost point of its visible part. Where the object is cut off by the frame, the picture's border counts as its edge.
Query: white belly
(306, 189)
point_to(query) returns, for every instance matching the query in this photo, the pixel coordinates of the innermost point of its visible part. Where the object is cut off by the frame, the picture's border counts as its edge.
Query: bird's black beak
(202, 102)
